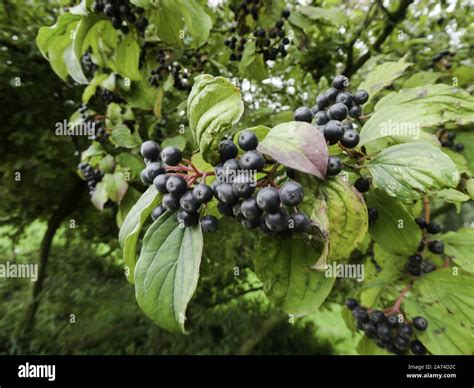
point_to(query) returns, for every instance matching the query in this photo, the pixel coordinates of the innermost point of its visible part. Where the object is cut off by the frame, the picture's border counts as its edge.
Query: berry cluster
(236, 191)
(447, 140)
(165, 67)
(417, 265)
(92, 176)
(246, 7)
(443, 58)
(387, 330)
(100, 132)
(165, 171)
(122, 14)
(271, 43)
(107, 96)
(89, 66)
(332, 113)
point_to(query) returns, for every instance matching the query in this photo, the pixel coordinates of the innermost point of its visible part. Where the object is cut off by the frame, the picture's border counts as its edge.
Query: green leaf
(408, 170)
(407, 112)
(131, 227)
(347, 214)
(168, 22)
(395, 230)
(298, 145)
(446, 300)
(379, 286)
(128, 56)
(368, 347)
(95, 149)
(334, 16)
(99, 196)
(53, 42)
(422, 78)
(214, 105)
(382, 76)
(459, 246)
(167, 271)
(130, 163)
(131, 197)
(115, 185)
(178, 141)
(452, 196)
(252, 65)
(122, 137)
(283, 267)
(467, 138)
(197, 21)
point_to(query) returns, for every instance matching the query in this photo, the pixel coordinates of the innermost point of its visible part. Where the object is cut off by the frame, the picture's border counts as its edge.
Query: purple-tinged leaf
(298, 145)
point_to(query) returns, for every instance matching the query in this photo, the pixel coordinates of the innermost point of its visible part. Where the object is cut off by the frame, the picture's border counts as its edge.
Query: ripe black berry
(144, 178)
(242, 186)
(433, 227)
(420, 323)
(277, 221)
(334, 166)
(404, 330)
(226, 194)
(333, 131)
(436, 246)
(401, 343)
(417, 347)
(421, 222)
(459, 147)
(340, 82)
(150, 150)
(370, 329)
(361, 97)
(383, 331)
(225, 209)
(355, 111)
(344, 98)
(268, 199)
(248, 141)
(227, 150)
(338, 111)
(351, 303)
(331, 94)
(171, 156)
(362, 185)
(321, 101)
(291, 193)
(373, 215)
(209, 224)
(415, 259)
(188, 202)
(153, 170)
(360, 313)
(377, 316)
(176, 185)
(303, 114)
(350, 139)
(170, 202)
(187, 218)
(321, 117)
(428, 267)
(157, 212)
(203, 193)
(392, 320)
(160, 183)
(285, 13)
(299, 222)
(252, 160)
(250, 208)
